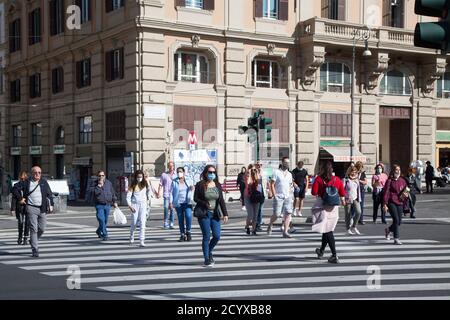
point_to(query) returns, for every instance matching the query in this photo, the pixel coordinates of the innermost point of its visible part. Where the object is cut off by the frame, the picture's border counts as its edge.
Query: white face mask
(139, 180)
(180, 175)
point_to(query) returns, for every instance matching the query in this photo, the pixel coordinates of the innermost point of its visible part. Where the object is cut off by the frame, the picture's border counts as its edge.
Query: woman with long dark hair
(240, 182)
(325, 210)
(378, 181)
(253, 197)
(394, 198)
(210, 209)
(138, 196)
(19, 210)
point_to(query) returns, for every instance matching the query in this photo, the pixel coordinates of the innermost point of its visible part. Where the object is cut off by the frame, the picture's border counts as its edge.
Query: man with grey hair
(36, 194)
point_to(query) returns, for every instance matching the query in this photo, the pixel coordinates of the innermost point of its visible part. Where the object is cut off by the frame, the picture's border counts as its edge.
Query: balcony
(339, 33)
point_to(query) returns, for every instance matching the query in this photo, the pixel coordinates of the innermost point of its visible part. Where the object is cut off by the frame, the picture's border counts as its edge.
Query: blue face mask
(211, 176)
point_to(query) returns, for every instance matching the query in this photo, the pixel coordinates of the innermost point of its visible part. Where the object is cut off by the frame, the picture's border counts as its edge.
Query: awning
(82, 161)
(341, 154)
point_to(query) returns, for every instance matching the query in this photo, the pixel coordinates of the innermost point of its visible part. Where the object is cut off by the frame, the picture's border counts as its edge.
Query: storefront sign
(395, 113)
(83, 161)
(35, 150)
(156, 112)
(443, 136)
(59, 149)
(16, 151)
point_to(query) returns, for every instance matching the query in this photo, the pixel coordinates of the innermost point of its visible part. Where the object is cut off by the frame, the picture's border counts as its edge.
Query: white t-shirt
(283, 183)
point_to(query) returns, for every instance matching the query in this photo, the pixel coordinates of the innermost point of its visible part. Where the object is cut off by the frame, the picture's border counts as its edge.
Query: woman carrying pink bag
(325, 211)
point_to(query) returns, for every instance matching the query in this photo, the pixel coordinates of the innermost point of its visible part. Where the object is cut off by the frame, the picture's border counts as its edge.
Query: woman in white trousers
(138, 196)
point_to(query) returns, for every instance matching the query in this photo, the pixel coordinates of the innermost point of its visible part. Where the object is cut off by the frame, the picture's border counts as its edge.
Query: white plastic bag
(119, 217)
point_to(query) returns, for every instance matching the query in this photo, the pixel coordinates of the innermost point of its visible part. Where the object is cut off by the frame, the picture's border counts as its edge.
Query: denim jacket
(176, 191)
(105, 195)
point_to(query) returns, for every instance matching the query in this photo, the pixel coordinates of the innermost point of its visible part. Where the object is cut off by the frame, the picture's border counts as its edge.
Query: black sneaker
(319, 253)
(35, 254)
(182, 238)
(25, 241)
(211, 259)
(248, 231)
(188, 236)
(361, 223)
(105, 239)
(19, 241)
(259, 229)
(254, 233)
(333, 259)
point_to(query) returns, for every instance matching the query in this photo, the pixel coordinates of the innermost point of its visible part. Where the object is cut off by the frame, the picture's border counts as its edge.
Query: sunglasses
(101, 175)
(211, 172)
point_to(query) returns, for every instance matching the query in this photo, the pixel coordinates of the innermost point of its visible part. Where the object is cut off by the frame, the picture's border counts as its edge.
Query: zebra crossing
(247, 267)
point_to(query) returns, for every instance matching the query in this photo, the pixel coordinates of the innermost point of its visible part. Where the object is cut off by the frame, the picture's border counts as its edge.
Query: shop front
(339, 153)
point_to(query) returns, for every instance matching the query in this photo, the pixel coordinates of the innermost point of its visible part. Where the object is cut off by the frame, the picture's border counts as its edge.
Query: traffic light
(433, 35)
(264, 125)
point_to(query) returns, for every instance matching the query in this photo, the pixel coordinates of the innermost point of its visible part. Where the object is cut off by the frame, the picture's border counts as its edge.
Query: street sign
(192, 140)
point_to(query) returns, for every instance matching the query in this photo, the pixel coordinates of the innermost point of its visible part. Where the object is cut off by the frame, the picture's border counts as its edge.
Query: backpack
(331, 196)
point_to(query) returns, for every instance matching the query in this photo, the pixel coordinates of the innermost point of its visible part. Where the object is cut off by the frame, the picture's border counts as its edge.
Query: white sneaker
(142, 244)
(300, 214)
(349, 232)
(397, 242)
(295, 213)
(244, 209)
(131, 240)
(356, 231)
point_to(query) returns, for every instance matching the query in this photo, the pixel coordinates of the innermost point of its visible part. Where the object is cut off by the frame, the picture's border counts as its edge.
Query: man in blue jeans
(104, 197)
(166, 183)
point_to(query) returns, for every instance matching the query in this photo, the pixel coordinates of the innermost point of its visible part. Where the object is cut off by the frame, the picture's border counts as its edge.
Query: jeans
(102, 218)
(168, 214)
(184, 211)
(412, 203)
(361, 217)
(348, 213)
(23, 224)
(208, 225)
(396, 213)
(429, 183)
(377, 199)
(259, 217)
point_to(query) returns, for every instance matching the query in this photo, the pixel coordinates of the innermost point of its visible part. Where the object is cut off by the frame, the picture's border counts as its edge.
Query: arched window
(335, 77)
(59, 137)
(266, 73)
(443, 86)
(395, 83)
(191, 67)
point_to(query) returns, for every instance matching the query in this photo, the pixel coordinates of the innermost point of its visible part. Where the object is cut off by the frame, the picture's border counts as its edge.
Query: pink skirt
(324, 219)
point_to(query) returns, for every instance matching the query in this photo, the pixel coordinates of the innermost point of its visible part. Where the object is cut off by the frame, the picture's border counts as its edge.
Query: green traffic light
(433, 35)
(432, 8)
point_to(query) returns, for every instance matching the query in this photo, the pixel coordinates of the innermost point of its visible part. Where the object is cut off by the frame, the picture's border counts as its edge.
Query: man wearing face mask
(282, 188)
(166, 184)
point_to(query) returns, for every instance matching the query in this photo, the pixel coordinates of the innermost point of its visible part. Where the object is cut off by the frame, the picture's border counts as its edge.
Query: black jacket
(22, 190)
(429, 173)
(200, 199)
(15, 203)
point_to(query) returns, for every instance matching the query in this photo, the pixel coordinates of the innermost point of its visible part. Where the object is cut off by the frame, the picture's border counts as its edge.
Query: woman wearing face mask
(253, 198)
(352, 200)
(210, 201)
(411, 178)
(179, 199)
(138, 196)
(378, 181)
(393, 201)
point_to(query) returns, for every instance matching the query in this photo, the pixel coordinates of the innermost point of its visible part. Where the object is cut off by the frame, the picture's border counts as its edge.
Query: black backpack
(331, 196)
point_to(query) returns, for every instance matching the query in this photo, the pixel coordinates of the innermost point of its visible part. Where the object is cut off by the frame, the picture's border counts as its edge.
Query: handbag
(200, 212)
(256, 196)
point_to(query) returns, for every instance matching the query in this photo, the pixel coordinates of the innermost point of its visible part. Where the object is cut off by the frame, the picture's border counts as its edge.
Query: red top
(318, 188)
(392, 190)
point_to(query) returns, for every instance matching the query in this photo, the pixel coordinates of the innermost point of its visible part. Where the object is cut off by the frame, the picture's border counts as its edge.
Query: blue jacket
(176, 191)
(105, 195)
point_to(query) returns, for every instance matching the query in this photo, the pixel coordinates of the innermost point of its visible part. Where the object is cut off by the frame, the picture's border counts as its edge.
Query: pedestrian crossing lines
(259, 267)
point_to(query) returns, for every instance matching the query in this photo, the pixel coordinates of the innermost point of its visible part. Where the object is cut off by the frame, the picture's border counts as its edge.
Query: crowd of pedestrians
(395, 194)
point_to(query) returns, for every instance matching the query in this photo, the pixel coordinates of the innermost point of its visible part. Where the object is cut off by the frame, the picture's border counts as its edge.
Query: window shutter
(18, 33)
(39, 24)
(88, 72)
(54, 85)
(180, 3)
(89, 9)
(78, 73)
(109, 5)
(387, 13)
(284, 10)
(122, 66)
(108, 65)
(60, 79)
(63, 16)
(208, 4)
(30, 28)
(259, 8)
(11, 38)
(341, 10)
(402, 14)
(325, 8)
(52, 17)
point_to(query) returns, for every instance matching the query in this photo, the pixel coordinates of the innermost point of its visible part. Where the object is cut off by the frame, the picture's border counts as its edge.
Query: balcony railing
(327, 30)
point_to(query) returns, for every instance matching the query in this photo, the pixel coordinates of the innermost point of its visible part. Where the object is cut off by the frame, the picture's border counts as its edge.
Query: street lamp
(357, 35)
